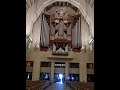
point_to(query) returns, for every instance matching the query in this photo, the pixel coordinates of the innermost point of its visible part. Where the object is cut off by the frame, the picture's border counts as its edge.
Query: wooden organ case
(60, 33)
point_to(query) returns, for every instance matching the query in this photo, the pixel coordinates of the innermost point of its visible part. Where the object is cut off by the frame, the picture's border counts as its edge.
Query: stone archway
(73, 2)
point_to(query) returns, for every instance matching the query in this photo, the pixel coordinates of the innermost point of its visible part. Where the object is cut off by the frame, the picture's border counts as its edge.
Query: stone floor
(58, 86)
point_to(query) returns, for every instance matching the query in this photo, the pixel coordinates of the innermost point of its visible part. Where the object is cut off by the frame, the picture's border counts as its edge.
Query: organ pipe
(54, 47)
(66, 48)
(61, 27)
(45, 32)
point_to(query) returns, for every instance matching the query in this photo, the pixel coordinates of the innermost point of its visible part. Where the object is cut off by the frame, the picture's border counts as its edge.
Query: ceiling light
(91, 41)
(37, 46)
(30, 39)
(83, 47)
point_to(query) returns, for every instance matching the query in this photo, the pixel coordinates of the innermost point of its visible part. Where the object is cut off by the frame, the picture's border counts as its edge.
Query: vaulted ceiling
(40, 5)
(72, 10)
(30, 2)
(60, 4)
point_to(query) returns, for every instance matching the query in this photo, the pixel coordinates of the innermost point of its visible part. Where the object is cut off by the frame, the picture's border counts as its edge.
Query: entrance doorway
(59, 78)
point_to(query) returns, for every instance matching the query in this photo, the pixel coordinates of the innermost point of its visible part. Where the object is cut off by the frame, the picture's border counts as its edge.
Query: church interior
(59, 44)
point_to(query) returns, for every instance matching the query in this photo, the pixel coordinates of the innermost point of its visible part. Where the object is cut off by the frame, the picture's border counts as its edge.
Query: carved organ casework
(60, 32)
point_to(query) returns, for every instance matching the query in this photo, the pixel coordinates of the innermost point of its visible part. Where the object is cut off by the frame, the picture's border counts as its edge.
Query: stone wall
(81, 58)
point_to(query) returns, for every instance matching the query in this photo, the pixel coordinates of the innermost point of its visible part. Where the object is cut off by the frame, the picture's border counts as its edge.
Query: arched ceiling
(72, 10)
(49, 2)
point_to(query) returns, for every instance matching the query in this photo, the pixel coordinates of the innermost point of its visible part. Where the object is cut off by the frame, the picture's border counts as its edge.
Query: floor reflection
(58, 86)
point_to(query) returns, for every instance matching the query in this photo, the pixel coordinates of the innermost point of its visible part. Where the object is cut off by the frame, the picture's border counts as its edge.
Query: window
(74, 65)
(73, 77)
(90, 66)
(29, 76)
(45, 64)
(29, 63)
(44, 76)
(60, 64)
(90, 78)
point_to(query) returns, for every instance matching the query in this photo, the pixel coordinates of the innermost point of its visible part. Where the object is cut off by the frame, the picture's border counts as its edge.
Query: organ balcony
(60, 53)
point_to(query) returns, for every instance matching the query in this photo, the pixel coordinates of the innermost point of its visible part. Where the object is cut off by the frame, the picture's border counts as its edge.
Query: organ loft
(60, 34)
(59, 44)
(63, 34)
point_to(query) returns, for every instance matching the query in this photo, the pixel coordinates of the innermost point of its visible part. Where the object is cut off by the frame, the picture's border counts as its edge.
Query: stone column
(83, 72)
(36, 70)
(66, 70)
(52, 71)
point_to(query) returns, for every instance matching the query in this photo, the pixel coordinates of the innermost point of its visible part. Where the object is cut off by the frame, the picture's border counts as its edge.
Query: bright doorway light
(61, 76)
(28, 76)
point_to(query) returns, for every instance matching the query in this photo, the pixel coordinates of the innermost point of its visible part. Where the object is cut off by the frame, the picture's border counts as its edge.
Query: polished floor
(58, 86)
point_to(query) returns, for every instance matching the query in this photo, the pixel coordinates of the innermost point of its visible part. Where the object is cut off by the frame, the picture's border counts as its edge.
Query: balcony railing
(60, 38)
(60, 53)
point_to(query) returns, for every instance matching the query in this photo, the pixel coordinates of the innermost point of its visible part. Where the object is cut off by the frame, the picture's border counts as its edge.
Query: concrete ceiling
(30, 2)
(75, 3)
(72, 10)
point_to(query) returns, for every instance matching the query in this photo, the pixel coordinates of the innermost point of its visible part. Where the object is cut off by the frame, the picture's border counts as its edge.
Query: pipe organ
(60, 32)
(76, 33)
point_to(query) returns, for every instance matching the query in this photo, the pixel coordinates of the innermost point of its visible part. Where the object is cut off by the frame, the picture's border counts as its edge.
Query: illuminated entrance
(59, 78)
(59, 72)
